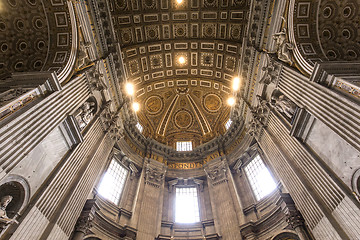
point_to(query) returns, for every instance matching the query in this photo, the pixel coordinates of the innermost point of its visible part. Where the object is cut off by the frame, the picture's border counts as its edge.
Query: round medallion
(183, 119)
(153, 104)
(121, 4)
(212, 102)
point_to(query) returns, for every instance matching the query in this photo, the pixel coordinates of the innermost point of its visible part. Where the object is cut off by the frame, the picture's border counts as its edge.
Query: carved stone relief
(154, 175)
(183, 119)
(270, 71)
(4, 219)
(4, 203)
(95, 77)
(217, 173)
(212, 102)
(283, 47)
(260, 115)
(154, 104)
(86, 113)
(283, 104)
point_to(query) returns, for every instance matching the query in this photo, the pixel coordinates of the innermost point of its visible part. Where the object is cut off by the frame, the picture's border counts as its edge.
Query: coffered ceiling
(181, 100)
(34, 36)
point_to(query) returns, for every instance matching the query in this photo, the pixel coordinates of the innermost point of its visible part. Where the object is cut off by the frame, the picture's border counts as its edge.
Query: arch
(38, 36)
(286, 235)
(92, 238)
(324, 40)
(17, 187)
(355, 182)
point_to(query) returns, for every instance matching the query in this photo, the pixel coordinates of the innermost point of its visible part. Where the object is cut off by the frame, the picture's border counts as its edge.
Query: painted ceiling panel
(182, 58)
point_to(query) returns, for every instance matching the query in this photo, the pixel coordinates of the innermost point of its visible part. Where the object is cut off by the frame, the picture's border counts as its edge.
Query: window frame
(191, 148)
(196, 187)
(139, 127)
(124, 188)
(186, 183)
(228, 124)
(271, 172)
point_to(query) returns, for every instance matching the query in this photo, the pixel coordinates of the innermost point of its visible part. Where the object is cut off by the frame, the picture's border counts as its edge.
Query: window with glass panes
(113, 182)
(187, 205)
(184, 146)
(228, 124)
(139, 127)
(261, 181)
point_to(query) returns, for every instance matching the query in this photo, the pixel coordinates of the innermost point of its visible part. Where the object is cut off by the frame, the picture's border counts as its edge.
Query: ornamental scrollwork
(154, 176)
(217, 173)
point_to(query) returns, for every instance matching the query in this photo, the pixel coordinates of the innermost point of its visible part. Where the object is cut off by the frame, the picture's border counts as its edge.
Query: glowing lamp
(181, 60)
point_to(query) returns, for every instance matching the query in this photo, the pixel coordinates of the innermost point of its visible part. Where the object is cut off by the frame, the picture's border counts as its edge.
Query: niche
(286, 236)
(20, 193)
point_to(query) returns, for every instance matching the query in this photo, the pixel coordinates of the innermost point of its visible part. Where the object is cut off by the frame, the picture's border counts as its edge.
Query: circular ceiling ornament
(212, 102)
(121, 4)
(183, 118)
(154, 104)
(12, 3)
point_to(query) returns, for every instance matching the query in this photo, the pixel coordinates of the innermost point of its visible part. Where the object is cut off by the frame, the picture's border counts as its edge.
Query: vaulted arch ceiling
(181, 101)
(325, 30)
(36, 36)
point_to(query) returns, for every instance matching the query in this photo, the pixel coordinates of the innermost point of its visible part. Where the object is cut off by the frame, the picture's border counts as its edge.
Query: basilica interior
(180, 119)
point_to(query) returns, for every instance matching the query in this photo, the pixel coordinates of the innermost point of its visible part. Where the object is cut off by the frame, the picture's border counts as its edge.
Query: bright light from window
(113, 182)
(236, 84)
(129, 87)
(184, 146)
(260, 178)
(228, 124)
(187, 206)
(231, 101)
(136, 106)
(179, 1)
(139, 127)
